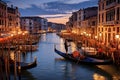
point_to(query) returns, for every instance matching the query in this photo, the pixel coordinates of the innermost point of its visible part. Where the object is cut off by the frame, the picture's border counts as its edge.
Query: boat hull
(20, 65)
(86, 60)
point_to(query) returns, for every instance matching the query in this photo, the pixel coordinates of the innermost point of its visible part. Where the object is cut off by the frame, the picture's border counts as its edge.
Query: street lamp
(89, 36)
(81, 33)
(117, 38)
(96, 37)
(95, 45)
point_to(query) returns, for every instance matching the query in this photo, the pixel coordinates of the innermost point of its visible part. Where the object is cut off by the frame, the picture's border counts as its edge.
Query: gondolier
(66, 46)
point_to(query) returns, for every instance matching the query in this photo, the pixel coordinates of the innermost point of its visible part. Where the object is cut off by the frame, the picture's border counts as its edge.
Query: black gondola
(21, 65)
(86, 60)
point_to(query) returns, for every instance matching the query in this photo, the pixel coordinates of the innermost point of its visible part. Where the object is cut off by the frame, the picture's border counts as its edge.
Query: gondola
(86, 60)
(20, 65)
(25, 66)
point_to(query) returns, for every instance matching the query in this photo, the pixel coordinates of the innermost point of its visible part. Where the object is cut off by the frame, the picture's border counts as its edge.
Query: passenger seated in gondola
(100, 52)
(76, 54)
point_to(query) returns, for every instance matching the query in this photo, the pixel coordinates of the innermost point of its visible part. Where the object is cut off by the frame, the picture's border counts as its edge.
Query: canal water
(51, 66)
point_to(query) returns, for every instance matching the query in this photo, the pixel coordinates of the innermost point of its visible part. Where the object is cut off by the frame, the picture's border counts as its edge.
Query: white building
(33, 24)
(44, 24)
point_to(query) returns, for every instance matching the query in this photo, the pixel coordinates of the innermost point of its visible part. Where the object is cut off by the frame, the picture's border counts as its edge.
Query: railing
(109, 23)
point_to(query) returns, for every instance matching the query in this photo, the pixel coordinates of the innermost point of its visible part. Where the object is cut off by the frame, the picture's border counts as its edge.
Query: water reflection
(98, 77)
(12, 55)
(73, 71)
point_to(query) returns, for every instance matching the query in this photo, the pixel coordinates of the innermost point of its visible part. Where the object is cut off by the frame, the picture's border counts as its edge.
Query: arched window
(109, 29)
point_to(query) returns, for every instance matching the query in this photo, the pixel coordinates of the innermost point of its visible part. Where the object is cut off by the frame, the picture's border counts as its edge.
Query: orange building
(108, 29)
(9, 18)
(13, 18)
(3, 15)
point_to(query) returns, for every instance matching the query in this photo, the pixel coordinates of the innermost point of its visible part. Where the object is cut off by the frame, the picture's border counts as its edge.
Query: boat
(25, 66)
(86, 60)
(21, 65)
(98, 56)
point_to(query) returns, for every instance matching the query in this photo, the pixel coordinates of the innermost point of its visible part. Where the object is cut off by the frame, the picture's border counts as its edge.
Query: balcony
(109, 23)
(110, 5)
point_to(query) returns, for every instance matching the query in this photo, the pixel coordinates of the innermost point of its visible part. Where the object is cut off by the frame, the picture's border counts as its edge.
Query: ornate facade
(9, 18)
(108, 20)
(3, 16)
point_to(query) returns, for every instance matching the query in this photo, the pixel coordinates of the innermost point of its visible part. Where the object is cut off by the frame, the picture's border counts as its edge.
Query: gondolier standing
(66, 46)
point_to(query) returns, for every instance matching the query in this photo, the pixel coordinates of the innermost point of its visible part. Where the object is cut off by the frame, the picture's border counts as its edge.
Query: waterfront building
(88, 20)
(3, 16)
(108, 20)
(33, 24)
(56, 26)
(84, 20)
(69, 24)
(13, 19)
(80, 17)
(44, 24)
(60, 27)
(9, 18)
(74, 19)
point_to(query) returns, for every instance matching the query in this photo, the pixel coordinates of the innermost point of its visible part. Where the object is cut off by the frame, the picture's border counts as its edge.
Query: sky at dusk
(57, 11)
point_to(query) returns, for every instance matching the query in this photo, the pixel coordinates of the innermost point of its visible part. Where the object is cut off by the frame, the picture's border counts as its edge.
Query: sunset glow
(57, 18)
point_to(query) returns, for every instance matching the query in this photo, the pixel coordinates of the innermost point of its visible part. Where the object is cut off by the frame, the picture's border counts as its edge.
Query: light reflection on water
(54, 67)
(98, 77)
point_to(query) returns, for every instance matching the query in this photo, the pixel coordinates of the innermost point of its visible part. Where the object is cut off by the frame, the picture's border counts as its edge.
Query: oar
(78, 60)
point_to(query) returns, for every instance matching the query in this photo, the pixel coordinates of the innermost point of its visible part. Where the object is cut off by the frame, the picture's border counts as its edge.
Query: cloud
(27, 3)
(40, 3)
(55, 15)
(59, 18)
(73, 1)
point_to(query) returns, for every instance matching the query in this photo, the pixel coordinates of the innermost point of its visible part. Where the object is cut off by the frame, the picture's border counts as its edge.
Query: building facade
(44, 24)
(3, 16)
(80, 17)
(33, 24)
(56, 26)
(84, 20)
(13, 19)
(108, 20)
(9, 18)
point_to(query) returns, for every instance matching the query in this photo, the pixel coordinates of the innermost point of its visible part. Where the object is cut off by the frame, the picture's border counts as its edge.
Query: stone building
(56, 26)
(108, 20)
(3, 16)
(9, 18)
(33, 24)
(84, 20)
(13, 19)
